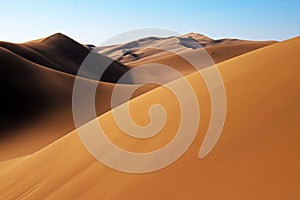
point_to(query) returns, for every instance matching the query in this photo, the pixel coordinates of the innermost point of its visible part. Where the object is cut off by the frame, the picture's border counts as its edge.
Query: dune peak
(197, 36)
(58, 36)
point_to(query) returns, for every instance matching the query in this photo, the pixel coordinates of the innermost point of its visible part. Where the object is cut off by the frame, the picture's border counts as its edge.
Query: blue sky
(95, 21)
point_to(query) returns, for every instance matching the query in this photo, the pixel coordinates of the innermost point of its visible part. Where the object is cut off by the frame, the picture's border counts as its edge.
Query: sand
(136, 52)
(256, 156)
(49, 66)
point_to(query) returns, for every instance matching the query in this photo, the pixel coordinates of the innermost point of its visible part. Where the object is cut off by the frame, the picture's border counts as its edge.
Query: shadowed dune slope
(62, 53)
(256, 157)
(36, 81)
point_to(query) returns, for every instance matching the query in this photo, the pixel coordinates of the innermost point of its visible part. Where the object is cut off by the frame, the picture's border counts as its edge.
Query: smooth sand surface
(256, 157)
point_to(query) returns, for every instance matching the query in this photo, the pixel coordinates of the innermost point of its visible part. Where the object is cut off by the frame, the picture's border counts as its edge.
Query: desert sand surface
(256, 157)
(38, 77)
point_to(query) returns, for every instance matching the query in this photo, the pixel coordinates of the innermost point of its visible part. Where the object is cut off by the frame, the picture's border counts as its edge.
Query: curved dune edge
(257, 156)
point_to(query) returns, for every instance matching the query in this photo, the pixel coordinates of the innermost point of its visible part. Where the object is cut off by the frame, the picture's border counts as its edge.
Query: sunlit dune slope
(256, 157)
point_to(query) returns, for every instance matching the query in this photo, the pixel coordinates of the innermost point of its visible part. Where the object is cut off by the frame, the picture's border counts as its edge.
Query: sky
(93, 22)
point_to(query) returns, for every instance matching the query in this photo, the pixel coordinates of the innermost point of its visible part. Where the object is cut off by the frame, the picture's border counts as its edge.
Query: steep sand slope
(257, 156)
(38, 96)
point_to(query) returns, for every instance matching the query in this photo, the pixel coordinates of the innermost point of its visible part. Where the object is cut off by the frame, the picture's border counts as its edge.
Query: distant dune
(256, 157)
(171, 52)
(136, 52)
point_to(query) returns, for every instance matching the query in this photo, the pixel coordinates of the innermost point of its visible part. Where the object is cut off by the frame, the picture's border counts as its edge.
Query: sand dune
(36, 80)
(138, 52)
(62, 53)
(256, 157)
(172, 51)
(49, 66)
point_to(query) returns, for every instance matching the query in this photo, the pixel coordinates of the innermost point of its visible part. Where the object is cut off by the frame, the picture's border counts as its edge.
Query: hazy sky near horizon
(96, 21)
